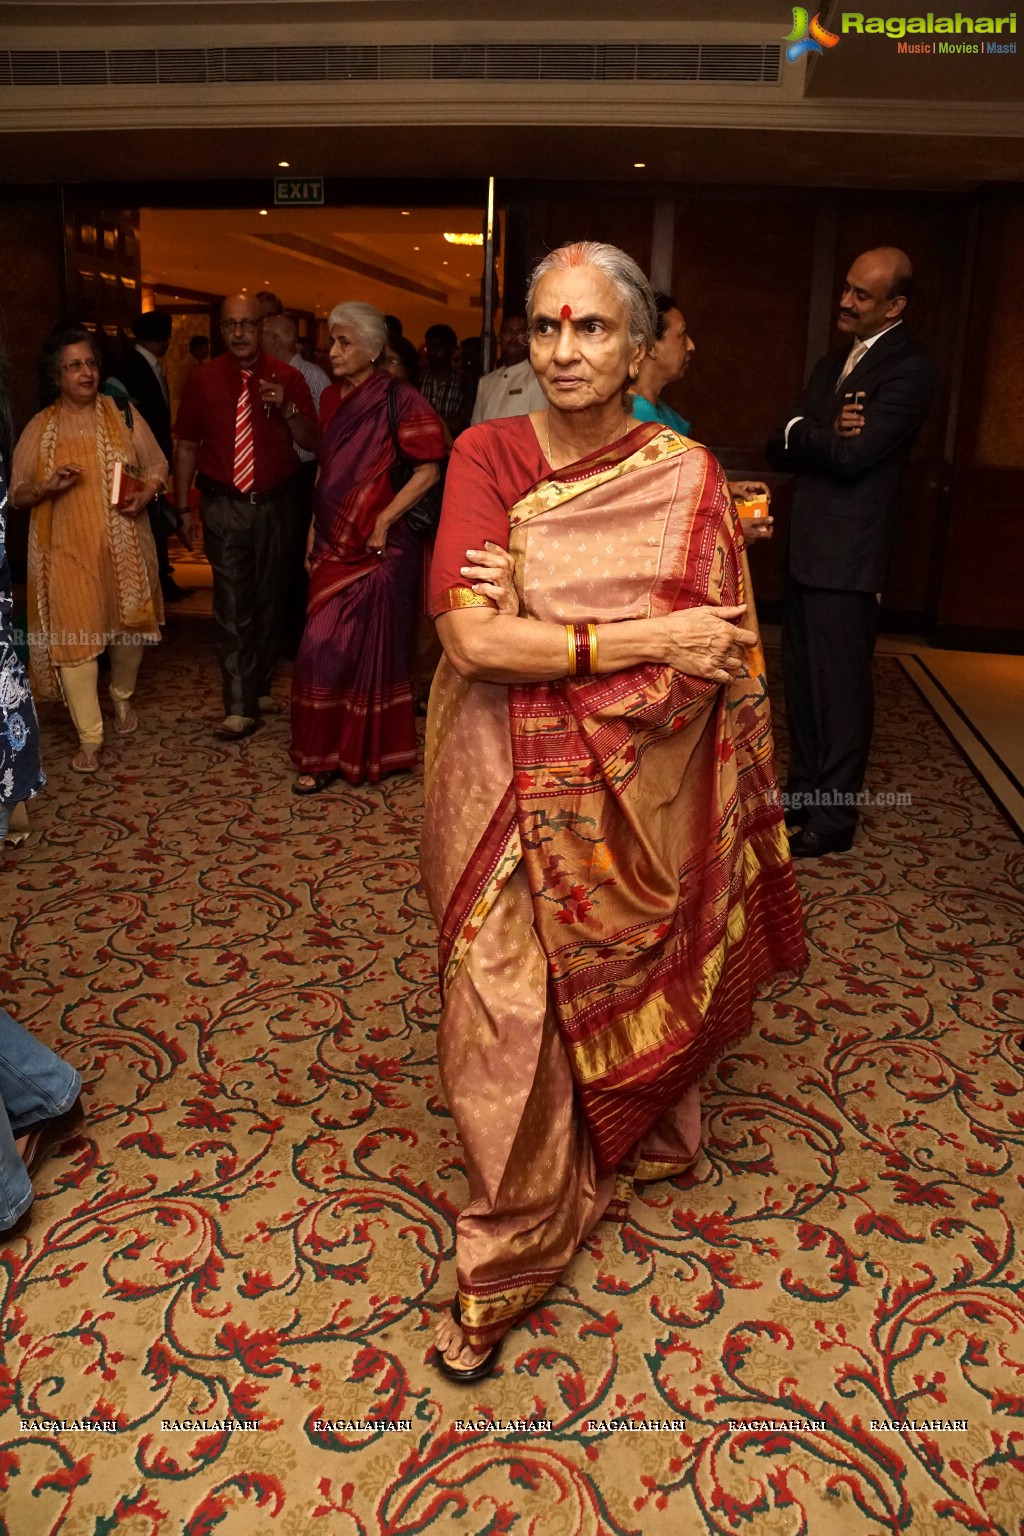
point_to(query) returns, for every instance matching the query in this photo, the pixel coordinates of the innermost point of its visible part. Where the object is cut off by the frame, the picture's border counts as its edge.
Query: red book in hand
(124, 483)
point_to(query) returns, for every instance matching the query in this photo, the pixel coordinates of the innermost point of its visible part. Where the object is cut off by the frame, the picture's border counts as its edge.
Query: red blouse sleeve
(475, 510)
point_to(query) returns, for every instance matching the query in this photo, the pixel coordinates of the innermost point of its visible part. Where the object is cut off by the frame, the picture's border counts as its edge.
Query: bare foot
(450, 1341)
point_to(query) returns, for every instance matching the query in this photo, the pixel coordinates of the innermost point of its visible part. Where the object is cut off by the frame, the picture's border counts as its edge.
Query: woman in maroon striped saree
(352, 709)
(604, 848)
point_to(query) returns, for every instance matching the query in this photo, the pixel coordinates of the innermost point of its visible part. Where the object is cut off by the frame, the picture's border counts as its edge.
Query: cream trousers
(81, 691)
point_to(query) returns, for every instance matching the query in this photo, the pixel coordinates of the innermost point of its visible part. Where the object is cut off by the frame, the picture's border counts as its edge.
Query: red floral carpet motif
(257, 1223)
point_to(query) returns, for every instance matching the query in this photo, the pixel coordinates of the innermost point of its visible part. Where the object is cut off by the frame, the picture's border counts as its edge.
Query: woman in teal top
(665, 363)
(645, 410)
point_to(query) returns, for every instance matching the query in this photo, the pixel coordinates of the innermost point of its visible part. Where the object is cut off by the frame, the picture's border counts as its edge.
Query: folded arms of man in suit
(893, 409)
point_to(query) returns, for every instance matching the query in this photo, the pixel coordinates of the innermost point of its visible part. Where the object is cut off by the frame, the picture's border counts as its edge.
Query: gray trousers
(244, 544)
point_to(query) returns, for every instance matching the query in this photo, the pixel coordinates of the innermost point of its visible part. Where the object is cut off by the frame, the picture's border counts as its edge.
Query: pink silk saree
(612, 847)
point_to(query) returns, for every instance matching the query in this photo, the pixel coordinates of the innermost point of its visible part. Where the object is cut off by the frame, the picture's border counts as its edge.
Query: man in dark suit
(142, 375)
(847, 441)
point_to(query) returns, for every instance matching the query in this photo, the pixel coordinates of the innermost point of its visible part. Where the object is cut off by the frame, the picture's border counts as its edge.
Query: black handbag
(424, 515)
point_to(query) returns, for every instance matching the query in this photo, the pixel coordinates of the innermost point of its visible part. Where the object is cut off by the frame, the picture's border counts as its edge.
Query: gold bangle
(570, 641)
(592, 632)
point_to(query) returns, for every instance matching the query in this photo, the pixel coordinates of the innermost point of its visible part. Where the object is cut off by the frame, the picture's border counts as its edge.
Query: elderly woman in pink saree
(604, 848)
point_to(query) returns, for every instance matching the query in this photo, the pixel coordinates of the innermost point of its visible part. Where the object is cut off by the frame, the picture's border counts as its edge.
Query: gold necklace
(80, 429)
(547, 432)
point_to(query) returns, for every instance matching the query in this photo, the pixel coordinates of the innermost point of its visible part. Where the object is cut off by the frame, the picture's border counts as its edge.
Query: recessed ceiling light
(405, 213)
(639, 165)
(263, 213)
(284, 164)
(444, 263)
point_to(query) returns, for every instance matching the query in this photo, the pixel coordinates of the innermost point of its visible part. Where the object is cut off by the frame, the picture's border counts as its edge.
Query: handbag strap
(400, 458)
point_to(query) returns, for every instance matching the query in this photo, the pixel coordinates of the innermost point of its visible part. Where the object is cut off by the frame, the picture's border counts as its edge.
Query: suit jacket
(847, 488)
(142, 384)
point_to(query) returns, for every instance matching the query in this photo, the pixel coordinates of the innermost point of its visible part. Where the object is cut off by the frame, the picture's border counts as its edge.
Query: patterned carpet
(257, 1224)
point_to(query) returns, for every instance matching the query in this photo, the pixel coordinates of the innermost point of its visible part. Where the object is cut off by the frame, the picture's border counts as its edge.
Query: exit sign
(293, 191)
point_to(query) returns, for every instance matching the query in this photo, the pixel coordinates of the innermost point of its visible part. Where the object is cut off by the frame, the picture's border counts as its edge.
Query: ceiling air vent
(182, 66)
(83, 67)
(35, 68)
(513, 61)
(249, 65)
(412, 63)
(730, 63)
(301, 64)
(739, 63)
(567, 61)
(677, 61)
(465, 63)
(134, 66)
(353, 63)
(616, 61)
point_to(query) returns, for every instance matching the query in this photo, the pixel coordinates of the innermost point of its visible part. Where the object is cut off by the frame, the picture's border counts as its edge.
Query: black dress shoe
(797, 816)
(808, 844)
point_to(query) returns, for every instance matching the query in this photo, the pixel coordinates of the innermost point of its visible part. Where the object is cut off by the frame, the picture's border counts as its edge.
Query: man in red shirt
(240, 419)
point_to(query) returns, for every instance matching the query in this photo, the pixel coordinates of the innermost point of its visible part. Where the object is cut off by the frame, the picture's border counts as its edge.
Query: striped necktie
(244, 472)
(853, 357)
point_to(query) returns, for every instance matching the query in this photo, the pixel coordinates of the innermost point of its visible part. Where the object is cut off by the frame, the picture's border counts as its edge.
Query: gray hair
(366, 322)
(621, 271)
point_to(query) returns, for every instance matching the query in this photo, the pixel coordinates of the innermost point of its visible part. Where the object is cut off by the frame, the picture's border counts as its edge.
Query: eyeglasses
(78, 363)
(248, 326)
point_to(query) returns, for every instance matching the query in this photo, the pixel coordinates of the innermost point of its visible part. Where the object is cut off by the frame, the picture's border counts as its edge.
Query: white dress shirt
(508, 392)
(317, 381)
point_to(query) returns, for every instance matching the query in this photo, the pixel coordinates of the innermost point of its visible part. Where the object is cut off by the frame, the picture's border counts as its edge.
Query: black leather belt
(210, 487)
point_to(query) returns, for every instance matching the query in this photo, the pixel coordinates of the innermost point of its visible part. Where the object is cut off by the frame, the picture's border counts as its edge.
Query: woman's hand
(493, 576)
(62, 479)
(377, 542)
(704, 642)
(135, 504)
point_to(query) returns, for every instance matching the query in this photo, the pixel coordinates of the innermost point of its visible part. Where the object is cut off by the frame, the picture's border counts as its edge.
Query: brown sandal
(86, 760)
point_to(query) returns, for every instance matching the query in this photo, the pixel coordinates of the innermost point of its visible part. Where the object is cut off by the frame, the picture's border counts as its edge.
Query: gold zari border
(460, 597)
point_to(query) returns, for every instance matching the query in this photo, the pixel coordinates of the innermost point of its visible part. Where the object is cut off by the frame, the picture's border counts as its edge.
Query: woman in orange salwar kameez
(604, 848)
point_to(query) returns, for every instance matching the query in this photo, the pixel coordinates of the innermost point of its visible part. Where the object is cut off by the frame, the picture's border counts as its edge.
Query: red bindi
(566, 312)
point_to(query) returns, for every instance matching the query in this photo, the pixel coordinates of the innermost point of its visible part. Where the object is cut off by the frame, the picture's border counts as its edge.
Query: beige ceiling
(221, 252)
(862, 115)
(744, 156)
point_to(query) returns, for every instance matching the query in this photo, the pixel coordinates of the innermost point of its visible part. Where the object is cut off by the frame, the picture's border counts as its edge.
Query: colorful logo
(807, 36)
